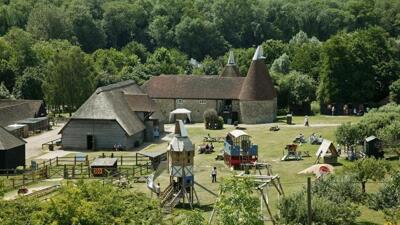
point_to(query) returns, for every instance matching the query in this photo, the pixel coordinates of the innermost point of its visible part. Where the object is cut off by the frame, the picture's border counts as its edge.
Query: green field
(271, 145)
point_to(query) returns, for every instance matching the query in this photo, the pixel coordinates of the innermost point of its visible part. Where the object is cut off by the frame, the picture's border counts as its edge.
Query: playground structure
(290, 153)
(262, 183)
(180, 165)
(238, 149)
(328, 152)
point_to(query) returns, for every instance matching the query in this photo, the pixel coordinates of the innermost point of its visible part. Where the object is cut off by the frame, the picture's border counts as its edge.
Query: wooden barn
(114, 115)
(12, 151)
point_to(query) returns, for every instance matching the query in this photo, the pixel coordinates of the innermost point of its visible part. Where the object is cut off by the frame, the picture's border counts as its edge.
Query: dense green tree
(123, 22)
(68, 81)
(273, 49)
(89, 33)
(18, 212)
(390, 135)
(46, 21)
(368, 169)
(21, 43)
(4, 92)
(208, 66)
(281, 64)
(293, 210)
(112, 61)
(136, 48)
(357, 67)
(395, 91)
(96, 203)
(306, 59)
(348, 134)
(388, 199)
(29, 85)
(297, 90)
(189, 40)
(245, 209)
(165, 61)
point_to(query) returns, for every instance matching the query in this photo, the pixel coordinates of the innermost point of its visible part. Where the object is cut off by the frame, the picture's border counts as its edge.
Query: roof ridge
(114, 86)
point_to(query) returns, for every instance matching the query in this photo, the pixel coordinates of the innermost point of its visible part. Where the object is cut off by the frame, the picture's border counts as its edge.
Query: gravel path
(34, 143)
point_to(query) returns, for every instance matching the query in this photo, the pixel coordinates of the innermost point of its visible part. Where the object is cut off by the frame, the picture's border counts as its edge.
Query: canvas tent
(180, 111)
(328, 152)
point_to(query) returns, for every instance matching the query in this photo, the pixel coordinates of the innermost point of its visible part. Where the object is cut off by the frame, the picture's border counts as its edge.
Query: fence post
(74, 161)
(87, 160)
(65, 172)
(81, 170)
(136, 159)
(73, 171)
(57, 161)
(89, 171)
(121, 160)
(147, 167)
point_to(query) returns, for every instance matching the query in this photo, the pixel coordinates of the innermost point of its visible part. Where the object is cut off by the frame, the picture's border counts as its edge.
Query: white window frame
(202, 101)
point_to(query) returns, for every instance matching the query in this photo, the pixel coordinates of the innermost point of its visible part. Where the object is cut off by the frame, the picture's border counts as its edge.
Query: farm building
(12, 111)
(115, 115)
(12, 150)
(251, 99)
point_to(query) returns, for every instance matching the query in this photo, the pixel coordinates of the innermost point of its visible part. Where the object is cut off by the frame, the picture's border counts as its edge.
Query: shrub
(315, 108)
(293, 210)
(211, 119)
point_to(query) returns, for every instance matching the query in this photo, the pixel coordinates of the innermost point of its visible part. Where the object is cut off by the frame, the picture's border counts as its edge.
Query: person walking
(306, 121)
(214, 175)
(333, 110)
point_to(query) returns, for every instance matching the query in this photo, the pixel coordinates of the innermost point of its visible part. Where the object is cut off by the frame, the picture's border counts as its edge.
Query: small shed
(12, 151)
(36, 124)
(103, 167)
(19, 130)
(328, 152)
(373, 147)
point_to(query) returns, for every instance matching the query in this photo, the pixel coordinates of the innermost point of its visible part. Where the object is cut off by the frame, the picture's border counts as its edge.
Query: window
(179, 101)
(202, 101)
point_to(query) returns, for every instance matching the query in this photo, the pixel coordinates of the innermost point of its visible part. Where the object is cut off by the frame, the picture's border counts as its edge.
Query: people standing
(333, 110)
(214, 175)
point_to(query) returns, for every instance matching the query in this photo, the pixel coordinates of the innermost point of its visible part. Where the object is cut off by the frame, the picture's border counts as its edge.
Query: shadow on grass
(393, 158)
(365, 223)
(200, 207)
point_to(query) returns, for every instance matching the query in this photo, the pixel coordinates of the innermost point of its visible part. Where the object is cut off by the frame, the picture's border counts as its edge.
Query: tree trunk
(363, 186)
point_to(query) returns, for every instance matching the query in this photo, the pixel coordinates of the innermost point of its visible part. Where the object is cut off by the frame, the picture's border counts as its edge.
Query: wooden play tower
(180, 165)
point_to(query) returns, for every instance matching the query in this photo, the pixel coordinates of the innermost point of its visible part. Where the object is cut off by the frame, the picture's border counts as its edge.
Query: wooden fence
(74, 167)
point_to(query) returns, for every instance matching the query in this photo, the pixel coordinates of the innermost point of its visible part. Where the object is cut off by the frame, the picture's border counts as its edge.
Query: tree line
(344, 51)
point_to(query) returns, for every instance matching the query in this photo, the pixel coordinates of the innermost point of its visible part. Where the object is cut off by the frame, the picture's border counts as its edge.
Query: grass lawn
(271, 145)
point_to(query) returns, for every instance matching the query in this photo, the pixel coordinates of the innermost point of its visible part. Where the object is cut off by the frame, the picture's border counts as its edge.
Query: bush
(315, 108)
(293, 210)
(212, 120)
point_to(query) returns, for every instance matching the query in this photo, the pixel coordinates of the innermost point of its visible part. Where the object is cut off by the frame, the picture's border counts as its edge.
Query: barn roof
(14, 110)
(193, 87)
(8, 140)
(110, 103)
(141, 103)
(370, 138)
(258, 83)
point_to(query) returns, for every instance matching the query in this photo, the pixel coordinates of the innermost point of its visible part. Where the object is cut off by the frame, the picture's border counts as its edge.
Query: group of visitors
(315, 139)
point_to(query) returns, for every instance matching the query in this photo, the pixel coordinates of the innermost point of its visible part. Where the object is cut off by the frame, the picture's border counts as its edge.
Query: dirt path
(34, 143)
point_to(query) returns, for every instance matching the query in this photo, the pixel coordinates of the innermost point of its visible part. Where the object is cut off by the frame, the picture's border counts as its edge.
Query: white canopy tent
(180, 111)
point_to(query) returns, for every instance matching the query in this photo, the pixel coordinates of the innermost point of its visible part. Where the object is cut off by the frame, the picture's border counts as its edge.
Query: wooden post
(309, 209)
(65, 172)
(121, 160)
(136, 158)
(74, 161)
(57, 161)
(73, 171)
(81, 170)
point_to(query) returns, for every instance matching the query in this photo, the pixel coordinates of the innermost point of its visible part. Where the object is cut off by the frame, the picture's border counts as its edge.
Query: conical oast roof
(258, 84)
(230, 69)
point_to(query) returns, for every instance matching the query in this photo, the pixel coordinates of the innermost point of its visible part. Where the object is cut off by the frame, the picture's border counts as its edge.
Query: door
(89, 142)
